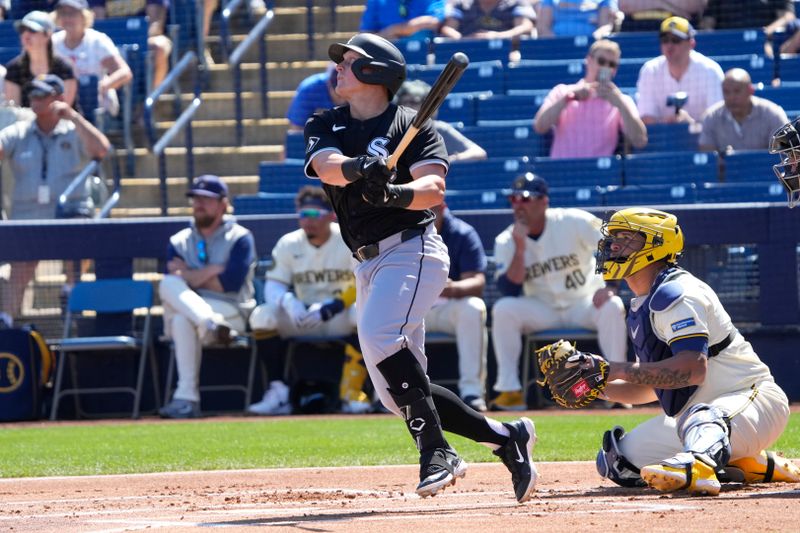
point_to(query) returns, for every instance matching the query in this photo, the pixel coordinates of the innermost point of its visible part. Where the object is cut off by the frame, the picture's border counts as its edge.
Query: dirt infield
(569, 497)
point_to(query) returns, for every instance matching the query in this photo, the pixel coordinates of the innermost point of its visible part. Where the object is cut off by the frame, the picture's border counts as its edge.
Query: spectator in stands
(581, 17)
(45, 155)
(157, 42)
(90, 52)
(546, 273)
(398, 19)
(587, 117)
(740, 121)
(310, 290)
(207, 290)
(791, 45)
(458, 146)
(679, 69)
(460, 310)
(729, 14)
(315, 93)
(37, 58)
(5, 7)
(492, 19)
(646, 15)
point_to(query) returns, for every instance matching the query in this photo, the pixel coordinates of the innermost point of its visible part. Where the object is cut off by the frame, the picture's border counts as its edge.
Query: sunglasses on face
(519, 199)
(603, 62)
(202, 252)
(671, 39)
(312, 213)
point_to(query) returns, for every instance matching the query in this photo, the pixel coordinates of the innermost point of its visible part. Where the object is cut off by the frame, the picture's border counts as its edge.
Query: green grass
(208, 445)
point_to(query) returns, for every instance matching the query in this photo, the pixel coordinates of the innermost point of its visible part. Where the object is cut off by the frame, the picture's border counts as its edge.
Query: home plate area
(570, 497)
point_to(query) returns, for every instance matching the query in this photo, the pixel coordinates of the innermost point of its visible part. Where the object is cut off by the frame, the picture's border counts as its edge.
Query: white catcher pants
(513, 317)
(185, 314)
(466, 319)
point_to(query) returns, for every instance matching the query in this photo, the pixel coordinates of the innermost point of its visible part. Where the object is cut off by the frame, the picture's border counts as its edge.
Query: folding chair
(529, 347)
(110, 299)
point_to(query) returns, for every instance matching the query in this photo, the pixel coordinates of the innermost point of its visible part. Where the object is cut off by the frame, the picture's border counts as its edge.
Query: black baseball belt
(369, 251)
(724, 343)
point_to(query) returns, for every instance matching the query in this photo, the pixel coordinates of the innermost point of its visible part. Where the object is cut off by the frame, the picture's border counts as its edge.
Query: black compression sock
(459, 418)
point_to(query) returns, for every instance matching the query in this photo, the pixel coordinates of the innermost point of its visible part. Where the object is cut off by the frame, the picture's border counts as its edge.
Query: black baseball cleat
(439, 468)
(516, 455)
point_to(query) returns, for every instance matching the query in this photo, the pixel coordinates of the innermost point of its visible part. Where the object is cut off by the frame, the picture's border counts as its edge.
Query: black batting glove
(367, 167)
(387, 195)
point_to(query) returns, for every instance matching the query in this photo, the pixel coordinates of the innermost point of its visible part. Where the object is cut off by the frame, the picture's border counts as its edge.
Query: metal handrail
(256, 34)
(172, 77)
(77, 181)
(224, 27)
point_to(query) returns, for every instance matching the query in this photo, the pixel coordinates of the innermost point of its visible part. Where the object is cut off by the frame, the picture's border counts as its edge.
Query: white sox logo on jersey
(377, 147)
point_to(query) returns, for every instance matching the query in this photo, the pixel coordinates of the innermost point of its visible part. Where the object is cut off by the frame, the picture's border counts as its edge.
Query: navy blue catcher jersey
(336, 131)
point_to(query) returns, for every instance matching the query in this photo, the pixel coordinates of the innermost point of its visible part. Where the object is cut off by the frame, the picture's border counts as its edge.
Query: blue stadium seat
(524, 76)
(502, 107)
(458, 107)
(730, 42)
(580, 172)
(679, 137)
(479, 77)
(637, 44)
(761, 69)
(628, 71)
(555, 47)
(576, 196)
(295, 145)
(749, 166)
(741, 192)
(508, 141)
(414, 50)
(8, 53)
(88, 97)
(183, 13)
(785, 96)
(493, 173)
(650, 195)
(9, 38)
(264, 204)
(670, 167)
(281, 176)
(789, 68)
(485, 199)
(476, 49)
(130, 36)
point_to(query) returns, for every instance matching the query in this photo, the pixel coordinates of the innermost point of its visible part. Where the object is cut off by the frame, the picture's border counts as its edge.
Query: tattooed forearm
(661, 378)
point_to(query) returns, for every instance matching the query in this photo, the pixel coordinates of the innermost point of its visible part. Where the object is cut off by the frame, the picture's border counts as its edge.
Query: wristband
(401, 196)
(351, 168)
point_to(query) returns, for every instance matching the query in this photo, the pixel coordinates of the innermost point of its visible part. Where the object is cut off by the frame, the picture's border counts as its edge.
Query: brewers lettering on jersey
(403, 264)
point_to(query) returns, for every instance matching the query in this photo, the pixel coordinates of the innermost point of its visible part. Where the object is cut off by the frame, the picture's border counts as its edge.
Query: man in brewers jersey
(402, 263)
(721, 405)
(310, 292)
(545, 270)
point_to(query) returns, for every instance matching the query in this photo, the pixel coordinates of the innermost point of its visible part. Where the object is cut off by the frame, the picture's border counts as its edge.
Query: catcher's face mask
(634, 238)
(785, 142)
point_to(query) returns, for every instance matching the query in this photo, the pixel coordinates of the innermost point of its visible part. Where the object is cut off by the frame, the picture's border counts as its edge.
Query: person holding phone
(586, 117)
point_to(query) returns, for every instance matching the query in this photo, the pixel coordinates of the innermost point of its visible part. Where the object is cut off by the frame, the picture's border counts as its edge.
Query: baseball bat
(444, 84)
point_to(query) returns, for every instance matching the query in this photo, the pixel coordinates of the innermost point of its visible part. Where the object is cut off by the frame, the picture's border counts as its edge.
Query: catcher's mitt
(575, 378)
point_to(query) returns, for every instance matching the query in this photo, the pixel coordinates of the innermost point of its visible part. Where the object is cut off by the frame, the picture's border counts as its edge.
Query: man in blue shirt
(397, 19)
(460, 309)
(315, 93)
(207, 291)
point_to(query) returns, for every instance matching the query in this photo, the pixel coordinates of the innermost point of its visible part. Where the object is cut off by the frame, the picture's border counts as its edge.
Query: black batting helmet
(386, 63)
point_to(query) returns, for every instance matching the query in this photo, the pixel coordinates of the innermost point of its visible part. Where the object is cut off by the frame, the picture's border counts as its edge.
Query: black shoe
(516, 455)
(439, 468)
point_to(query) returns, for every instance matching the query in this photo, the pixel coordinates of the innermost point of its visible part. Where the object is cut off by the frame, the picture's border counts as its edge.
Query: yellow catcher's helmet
(663, 241)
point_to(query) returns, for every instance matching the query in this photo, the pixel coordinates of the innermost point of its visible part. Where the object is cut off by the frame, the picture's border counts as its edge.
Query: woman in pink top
(586, 117)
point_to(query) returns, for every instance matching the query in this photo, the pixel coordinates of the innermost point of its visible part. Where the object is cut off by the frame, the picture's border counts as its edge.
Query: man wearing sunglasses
(587, 117)
(679, 68)
(546, 273)
(309, 292)
(207, 291)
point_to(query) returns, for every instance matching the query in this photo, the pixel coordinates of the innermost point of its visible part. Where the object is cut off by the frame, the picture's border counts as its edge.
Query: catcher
(721, 405)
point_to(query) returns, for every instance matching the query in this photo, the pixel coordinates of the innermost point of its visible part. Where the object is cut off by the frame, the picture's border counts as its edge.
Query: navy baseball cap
(528, 185)
(208, 185)
(36, 21)
(44, 85)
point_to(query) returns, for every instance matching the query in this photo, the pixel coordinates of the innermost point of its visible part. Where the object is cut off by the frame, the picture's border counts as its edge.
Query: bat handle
(404, 142)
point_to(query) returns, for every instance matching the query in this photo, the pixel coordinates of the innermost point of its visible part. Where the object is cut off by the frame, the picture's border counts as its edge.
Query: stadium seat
(785, 96)
(588, 196)
(489, 174)
(741, 192)
(679, 137)
(478, 77)
(635, 44)
(761, 69)
(502, 107)
(670, 168)
(555, 47)
(580, 172)
(264, 204)
(524, 76)
(458, 200)
(183, 13)
(295, 145)
(789, 69)
(749, 166)
(628, 71)
(415, 51)
(512, 140)
(130, 36)
(281, 176)
(650, 195)
(9, 38)
(476, 49)
(110, 304)
(730, 42)
(458, 107)
(88, 98)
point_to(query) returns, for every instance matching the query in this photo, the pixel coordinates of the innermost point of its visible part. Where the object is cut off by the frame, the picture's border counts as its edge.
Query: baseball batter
(785, 143)
(402, 264)
(721, 405)
(546, 272)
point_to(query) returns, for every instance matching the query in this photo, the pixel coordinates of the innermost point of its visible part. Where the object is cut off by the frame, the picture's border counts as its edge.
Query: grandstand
(493, 104)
